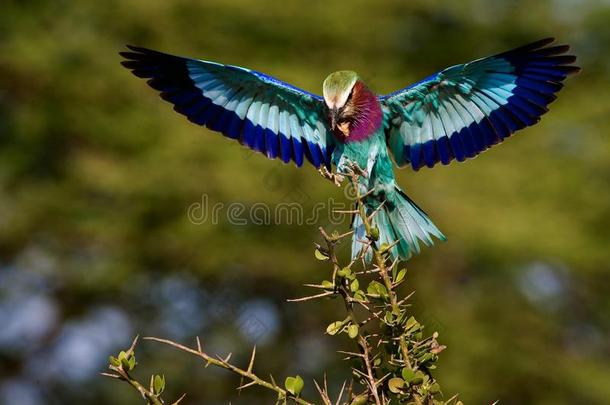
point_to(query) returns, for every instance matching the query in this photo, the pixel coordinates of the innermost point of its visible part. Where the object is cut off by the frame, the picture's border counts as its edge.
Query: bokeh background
(97, 174)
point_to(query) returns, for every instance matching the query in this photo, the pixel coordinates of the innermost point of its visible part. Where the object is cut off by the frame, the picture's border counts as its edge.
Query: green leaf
(375, 233)
(355, 285)
(361, 399)
(344, 272)
(320, 255)
(159, 384)
(131, 363)
(389, 317)
(359, 295)
(411, 322)
(126, 361)
(294, 385)
(426, 357)
(408, 374)
(114, 361)
(122, 356)
(434, 388)
(418, 378)
(328, 285)
(400, 276)
(352, 331)
(396, 384)
(376, 288)
(334, 328)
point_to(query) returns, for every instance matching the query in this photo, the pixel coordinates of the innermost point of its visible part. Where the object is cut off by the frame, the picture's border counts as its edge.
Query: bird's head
(337, 90)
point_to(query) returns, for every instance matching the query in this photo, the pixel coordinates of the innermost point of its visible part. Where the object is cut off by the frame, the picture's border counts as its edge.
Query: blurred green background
(97, 174)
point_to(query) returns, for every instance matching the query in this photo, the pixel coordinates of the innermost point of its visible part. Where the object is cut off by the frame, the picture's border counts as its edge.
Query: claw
(338, 179)
(334, 177)
(356, 169)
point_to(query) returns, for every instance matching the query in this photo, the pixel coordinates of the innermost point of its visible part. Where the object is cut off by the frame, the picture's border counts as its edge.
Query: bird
(452, 115)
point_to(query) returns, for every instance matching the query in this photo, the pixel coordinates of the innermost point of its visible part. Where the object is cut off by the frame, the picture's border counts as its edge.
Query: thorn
(340, 394)
(368, 193)
(179, 399)
(133, 345)
(226, 359)
(368, 271)
(345, 211)
(323, 394)
(380, 381)
(350, 353)
(343, 235)
(198, 344)
(241, 387)
(251, 365)
(402, 301)
(359, 372)
(370, 217)
(315, 286)
(311, 297)
(391, 245)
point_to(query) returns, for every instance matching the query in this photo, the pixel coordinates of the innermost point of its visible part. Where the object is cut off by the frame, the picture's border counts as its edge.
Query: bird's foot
(356, 169)
(336, 178)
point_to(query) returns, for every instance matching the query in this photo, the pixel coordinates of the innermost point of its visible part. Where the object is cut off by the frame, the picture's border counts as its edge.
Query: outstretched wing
(465, 109)
(257, 110)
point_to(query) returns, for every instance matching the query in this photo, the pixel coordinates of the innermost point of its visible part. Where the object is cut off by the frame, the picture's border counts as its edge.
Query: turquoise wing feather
(261, 112)
(465, 109)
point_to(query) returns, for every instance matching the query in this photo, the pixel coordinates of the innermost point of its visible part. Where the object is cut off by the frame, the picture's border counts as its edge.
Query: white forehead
(336, 98)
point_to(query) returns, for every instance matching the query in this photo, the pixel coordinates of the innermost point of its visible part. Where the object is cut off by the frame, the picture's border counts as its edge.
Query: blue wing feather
(242, 104)
(285, 148)
(475, 105)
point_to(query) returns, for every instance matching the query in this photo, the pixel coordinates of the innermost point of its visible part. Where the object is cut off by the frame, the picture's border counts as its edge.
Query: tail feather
(401, 223)
(420, 218)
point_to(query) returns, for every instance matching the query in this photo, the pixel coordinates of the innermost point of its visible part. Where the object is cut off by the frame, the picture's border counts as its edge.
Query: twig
(224, 363)
(311, 297)
(369, 371)
(121, 373)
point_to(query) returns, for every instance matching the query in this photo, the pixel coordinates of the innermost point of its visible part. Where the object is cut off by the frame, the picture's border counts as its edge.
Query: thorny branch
(396, 360)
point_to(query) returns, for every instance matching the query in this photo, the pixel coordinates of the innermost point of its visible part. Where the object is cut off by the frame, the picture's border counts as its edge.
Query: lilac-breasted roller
(454, 114)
